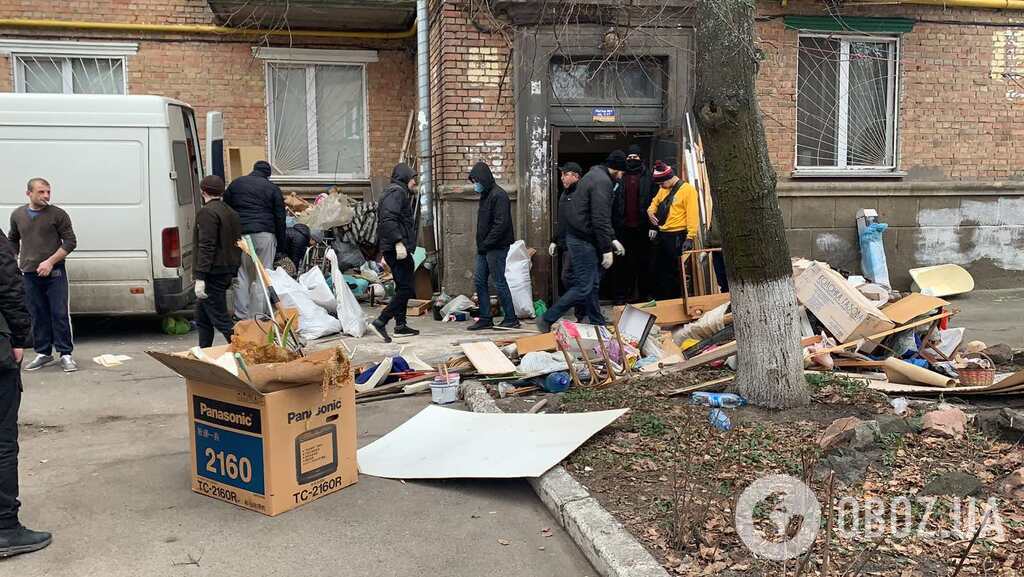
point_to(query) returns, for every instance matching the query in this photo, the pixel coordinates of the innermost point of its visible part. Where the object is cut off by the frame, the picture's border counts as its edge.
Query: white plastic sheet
(314, 322)
(350, 314)
(517, 274)
(441, 443)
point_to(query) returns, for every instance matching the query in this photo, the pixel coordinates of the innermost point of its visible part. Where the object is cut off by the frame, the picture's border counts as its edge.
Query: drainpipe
(33, 23)
(423, 122)
(990, 4)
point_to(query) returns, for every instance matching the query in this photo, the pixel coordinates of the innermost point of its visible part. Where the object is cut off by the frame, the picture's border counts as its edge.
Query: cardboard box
(268, 452)
(847, 314)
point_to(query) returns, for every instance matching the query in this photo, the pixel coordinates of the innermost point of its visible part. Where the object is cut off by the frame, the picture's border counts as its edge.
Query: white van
(127, 171)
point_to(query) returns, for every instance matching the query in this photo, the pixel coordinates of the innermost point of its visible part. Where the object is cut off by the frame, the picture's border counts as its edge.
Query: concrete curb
(606, 543)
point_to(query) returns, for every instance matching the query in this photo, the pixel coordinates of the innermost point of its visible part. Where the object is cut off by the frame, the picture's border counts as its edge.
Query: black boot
(480, 325)
(406, 330)
(21, 540)
(381, 329)
(510, 323)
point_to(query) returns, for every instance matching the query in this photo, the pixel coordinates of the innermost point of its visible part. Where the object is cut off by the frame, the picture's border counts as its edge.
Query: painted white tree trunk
(768, 354)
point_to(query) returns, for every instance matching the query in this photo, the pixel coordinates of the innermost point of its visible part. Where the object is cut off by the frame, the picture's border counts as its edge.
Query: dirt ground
(673, 480)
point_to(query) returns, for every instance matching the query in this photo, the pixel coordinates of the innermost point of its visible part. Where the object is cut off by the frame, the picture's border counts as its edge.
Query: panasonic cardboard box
(266, 451)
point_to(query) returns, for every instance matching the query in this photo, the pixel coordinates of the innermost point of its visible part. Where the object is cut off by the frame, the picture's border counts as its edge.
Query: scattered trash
(719, 420)
(900, 405)
(444, 390)
(556, 382)
(109, 361)
(720, 400)
(942, 280)
(517, 274)
(872, 250)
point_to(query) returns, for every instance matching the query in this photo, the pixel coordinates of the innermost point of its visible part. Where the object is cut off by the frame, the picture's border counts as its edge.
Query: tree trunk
(770, 369)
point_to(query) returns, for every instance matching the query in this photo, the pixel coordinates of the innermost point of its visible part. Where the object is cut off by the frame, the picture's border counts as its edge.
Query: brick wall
(473, 115)
(213, 73)
(959, 119)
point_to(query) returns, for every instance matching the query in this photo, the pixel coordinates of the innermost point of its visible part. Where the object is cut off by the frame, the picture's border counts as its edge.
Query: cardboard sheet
(440, 443)
(912, 306)
(488, 358)
(904, 373)
(1012, 384)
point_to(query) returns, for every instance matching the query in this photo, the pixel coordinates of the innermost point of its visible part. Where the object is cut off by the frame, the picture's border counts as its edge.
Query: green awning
(852, 24)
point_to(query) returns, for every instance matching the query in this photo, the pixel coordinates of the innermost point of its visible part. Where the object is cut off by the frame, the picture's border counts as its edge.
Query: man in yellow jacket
(676, 213)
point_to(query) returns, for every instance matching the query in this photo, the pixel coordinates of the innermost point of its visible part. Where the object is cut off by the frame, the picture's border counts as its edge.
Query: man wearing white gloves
(590, 240)
(396, 238)
(217, 258)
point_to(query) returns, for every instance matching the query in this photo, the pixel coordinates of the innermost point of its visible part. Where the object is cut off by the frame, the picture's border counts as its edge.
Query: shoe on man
(381, 329)
(543, 325)
(39, 362)
(406, 330)
(21, 540)
(510, 324)
(68, 364)
(480, 325)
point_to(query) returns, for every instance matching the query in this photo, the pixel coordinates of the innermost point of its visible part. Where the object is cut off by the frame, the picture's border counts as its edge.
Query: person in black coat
(396, 238)
(494, 234)
(260, 207)
(217, 258)
(15, 336)
(570, 174)
(590, 239)
(633, 274)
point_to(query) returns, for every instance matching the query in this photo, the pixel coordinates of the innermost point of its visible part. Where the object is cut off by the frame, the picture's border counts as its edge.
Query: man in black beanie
(217, 257)
(590, 240)
(632, 274)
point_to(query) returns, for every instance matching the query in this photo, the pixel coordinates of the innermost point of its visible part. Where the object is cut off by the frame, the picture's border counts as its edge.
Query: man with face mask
(634, 270)
(675, 213)
(590, 240)
(494, 234)
(396, 239)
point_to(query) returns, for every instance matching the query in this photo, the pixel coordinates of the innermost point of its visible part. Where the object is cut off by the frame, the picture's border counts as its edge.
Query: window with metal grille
(580, 79)
(846, 103)
(317, 120)
(69, 75)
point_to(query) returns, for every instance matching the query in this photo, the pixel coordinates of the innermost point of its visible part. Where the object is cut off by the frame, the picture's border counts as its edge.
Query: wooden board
(533, 343)
(857, 364)
(910, 307)
(701, 386)
(487, 358)
(672, 312)
(417, 307)
(878, 337)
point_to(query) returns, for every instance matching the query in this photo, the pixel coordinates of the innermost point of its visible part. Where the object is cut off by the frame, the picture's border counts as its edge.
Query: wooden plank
(701, 386)
(878, 337)
(533, 343)
(487, 358)
(857, 364)
(910, 307)
(725, 351)
(673, 312)
(417, 307)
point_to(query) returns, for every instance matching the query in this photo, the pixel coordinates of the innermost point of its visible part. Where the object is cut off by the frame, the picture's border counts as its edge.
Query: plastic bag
(314, 322)
(459, 303)
(872, 254)
(349, 255)
(538, 362)
(349, 312)
(517, 274)
(331, 210)
(314, 281)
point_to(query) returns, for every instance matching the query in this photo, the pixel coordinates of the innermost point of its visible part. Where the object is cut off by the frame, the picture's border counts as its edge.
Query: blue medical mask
(478, 187)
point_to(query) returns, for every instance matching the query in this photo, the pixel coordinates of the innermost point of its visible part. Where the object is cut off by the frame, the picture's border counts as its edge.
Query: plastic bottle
(725, 400)
(556, 382)
(719, 420)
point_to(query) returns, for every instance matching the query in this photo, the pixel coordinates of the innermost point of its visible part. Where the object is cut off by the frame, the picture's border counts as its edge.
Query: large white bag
(314, 322)
(319, 291)
(517, 274)
(349, 312)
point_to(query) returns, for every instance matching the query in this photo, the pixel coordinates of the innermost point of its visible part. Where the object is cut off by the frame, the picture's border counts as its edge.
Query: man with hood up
(260, 207)
(590, 240)
(396, 239)
(635, 270)
(494, 234)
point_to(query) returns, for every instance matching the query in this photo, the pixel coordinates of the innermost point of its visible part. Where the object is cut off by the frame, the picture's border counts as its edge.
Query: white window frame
(17, 50)
(309, 59)
(842, 118)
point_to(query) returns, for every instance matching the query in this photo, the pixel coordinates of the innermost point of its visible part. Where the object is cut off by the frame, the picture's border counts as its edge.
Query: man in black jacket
(217, 257)
(570, 176)
(494, 234)
(590, 240)
(260, 208)
(396, 238)
(15, 336)
(633, 196)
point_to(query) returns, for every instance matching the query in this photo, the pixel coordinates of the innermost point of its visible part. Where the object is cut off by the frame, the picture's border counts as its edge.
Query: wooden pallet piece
(487, 358)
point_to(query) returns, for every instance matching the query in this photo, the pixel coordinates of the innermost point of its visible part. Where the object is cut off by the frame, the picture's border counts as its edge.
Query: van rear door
(187, 172)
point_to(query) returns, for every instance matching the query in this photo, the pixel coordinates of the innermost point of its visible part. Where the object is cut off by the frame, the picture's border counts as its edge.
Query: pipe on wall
(29, 23)
(982, 4)
(423, 119)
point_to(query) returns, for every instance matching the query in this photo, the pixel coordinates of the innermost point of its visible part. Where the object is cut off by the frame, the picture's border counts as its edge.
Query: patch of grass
(891, 444)
(846, 386)
(578, 395)
(648, 424)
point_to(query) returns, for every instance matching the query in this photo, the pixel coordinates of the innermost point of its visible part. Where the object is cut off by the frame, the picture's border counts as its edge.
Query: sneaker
(543, 325)
(406, 330)
(68, 364)
(39, 362)
(21, 540)
(381, 329)
(510, 324)
(480, 325)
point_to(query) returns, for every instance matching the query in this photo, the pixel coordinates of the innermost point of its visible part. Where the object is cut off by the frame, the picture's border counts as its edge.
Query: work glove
(617, 248)
(652, 234)
(552, 249)
(687, 244)
(606, 260)
(201, 289)
(400, 251)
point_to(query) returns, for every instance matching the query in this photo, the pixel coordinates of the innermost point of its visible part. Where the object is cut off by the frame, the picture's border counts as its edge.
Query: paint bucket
(445, 391)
